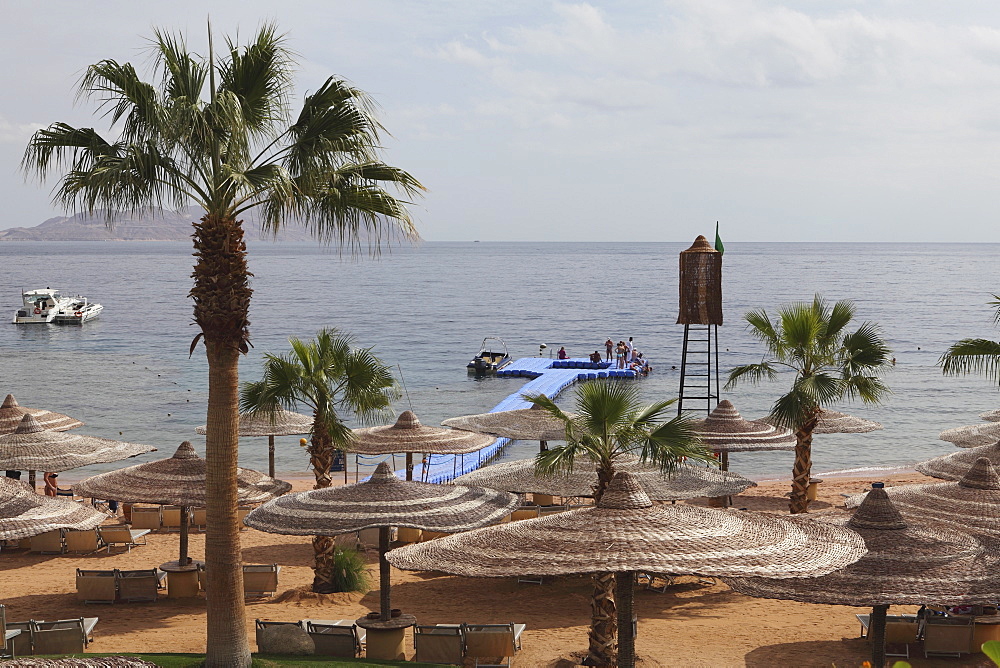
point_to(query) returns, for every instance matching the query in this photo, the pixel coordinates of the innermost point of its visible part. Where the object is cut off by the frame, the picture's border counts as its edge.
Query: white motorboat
(48, 305)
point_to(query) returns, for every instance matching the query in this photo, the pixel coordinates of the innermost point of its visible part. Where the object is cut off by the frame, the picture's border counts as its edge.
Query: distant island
(162, 225)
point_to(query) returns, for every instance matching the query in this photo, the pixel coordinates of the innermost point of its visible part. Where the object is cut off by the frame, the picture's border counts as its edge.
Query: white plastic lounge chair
(119, 535)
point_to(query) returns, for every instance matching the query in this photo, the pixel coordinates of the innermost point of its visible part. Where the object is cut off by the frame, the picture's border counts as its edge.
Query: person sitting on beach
(595, 357)
(563, 355)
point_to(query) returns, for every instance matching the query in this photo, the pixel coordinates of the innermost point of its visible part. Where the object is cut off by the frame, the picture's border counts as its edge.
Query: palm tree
(612, 423)
(329, 376)
(829, 363)
(980, 356)
(231, 148)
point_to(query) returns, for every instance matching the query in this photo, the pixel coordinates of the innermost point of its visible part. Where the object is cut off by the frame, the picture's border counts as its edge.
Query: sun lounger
(138, 585)
(242, 512)
(96, 586)
(199, 518)
(63, 637)
(524, 513)
(50, 542)
(498, 642)
(145, 518)
(123, 536)
(948, 636)
(260, 580)
(20, 644)
(408, 535)
(443, 643)
(82, 542)
(334, 639)
(85, 624)
(170, 517)
(7, 635)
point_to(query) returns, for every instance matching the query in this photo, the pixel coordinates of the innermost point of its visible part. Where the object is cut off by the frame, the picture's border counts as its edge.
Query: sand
(694, 623)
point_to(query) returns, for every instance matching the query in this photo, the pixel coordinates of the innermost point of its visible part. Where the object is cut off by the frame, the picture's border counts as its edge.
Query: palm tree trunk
(802, 470)
(602, 649)
(321, 454)
(221, 294)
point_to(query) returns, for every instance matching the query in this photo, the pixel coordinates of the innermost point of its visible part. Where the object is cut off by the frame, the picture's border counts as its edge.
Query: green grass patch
(262, 661)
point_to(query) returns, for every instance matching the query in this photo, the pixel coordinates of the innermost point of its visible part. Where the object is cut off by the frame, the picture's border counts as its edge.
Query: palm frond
(979, 356)
(822, 388)
(839, 317)
(751, 373)
(672, 442)
(792, 409)
(259, 75)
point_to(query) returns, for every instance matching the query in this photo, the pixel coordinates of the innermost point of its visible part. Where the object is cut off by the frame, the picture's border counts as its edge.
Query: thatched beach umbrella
(522, 424)
(973, 435)
(33, 448)
(409, 436)
(725, 430)
(11, 413)
(955, 465)
(625, 533)
(990, 416)
(279, 423)
(24, 514)
(686, 481)
(382, 501)
(835, 422)
(908, 563)
(178, 481)
(971, 504)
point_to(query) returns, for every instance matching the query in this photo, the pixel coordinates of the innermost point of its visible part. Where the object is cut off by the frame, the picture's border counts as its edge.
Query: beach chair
(50, 542)
(21, 643)
(82, 542)
(408, 535)
(498, 642)
(199, 518)
(443, 643)
(334, 639)
(524, 513)
(145, 518)
(96, 586)
(948, 636)
(84, 624)
(899, 633)
(368, 537)
(66, 638)
(260, 580)
(261, 624)
(170, 518)
(123, 536)
(431, 535)
(7, 635)
(242, 512)
(138, 585)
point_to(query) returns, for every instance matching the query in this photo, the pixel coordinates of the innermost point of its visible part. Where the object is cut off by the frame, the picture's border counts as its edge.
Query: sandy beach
(693, 623)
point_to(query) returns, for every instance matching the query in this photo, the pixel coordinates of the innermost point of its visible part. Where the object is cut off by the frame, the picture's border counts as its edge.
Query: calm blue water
(428, 308)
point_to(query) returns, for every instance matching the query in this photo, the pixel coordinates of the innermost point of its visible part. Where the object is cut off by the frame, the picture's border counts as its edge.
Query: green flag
(718, 240)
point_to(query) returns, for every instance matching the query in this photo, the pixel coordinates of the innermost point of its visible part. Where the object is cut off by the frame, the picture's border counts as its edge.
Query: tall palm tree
(219, 134)
(829, 365)
(980, 356)
(329, 376)
(612, 423)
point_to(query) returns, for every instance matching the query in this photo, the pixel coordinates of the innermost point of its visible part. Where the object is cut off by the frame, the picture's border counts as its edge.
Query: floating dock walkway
(547, 376)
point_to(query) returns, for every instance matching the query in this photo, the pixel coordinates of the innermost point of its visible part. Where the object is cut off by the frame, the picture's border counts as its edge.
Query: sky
(630, 121)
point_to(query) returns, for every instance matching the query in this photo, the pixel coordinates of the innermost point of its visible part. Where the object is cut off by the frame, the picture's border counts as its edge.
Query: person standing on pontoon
(609, 347)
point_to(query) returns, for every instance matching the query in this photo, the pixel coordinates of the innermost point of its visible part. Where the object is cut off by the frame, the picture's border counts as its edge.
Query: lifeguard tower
(701, 314)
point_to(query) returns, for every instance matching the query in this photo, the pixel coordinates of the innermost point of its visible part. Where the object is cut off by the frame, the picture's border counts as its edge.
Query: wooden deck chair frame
(331, 640)
(93, 586)
(260, 580)
(115, 535)
(7, 635)
(50, 542)
(64, 639)
(145, 518)
(138, 585)
(261, 624)
(439, 644)
(490, 641)
(170, 518)
(948, 636)
(82, 542)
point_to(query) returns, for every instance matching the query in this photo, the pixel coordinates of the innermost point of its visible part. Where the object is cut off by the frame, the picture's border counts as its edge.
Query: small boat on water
(48, 305)
(492, 356)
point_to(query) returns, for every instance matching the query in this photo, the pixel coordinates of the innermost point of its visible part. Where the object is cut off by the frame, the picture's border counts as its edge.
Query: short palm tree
(829, 363)
(331, 377)
(612, 423)
(980, 356)
(218, 133)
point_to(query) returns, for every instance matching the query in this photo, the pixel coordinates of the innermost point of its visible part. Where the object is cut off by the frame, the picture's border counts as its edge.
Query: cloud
(17, 133)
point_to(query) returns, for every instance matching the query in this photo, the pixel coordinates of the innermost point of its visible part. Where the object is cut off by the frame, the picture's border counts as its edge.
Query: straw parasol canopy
(179, 481)
(907, 563)
(957, 464)
(972, 436)
(24, 514)
(409, 436)
(382, 501)
(34, 448)
(686, 482)
(523, 424)
(834, 422)
(972, 503)
(626, 532)
(725, 430)
(991, 416)
(11, 413)
(279, 423)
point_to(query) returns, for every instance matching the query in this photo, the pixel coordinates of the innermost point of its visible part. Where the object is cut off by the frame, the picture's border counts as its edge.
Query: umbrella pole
(543, 446)
(270, 455)
(31, 480)
(409, 466)
(876, 633)
(623, 603)
(184, 560)
(385, 605)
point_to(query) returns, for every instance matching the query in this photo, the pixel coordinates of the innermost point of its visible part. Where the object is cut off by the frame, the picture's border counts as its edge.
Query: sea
(425, 310)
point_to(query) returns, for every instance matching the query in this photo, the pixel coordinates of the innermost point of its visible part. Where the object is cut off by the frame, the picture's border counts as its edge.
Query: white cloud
(17, 133)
